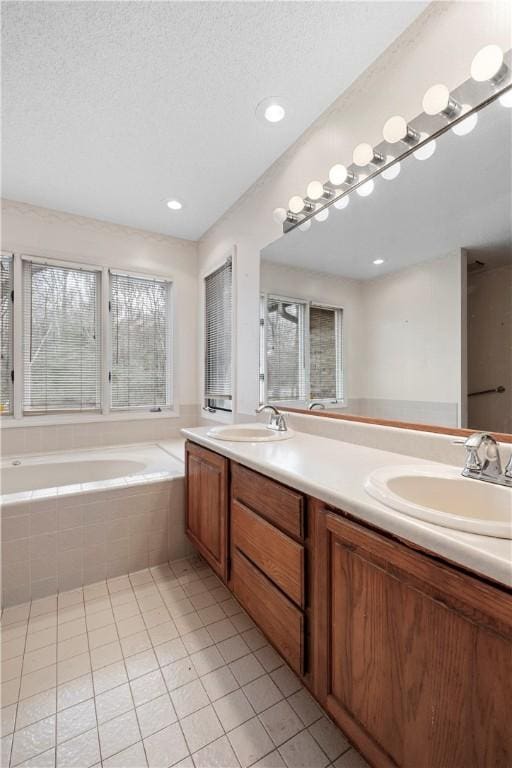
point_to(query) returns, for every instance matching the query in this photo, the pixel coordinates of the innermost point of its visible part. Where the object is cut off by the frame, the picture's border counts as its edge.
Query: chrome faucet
(314, 405)
(276, 420)
(487, 467)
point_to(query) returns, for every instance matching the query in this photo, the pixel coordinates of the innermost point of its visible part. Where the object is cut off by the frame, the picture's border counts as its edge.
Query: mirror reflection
(399, 305)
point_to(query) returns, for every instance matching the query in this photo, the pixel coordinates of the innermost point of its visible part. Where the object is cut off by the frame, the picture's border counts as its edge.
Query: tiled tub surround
(59, 538)
(161, 668)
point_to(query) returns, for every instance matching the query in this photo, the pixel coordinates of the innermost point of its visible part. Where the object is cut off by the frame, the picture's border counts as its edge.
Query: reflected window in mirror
(300, 351)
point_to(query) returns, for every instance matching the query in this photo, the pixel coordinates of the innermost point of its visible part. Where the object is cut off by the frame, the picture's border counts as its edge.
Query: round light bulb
(487, 63)
(315, 190)
(322, 215)
(274, 113)
(427, 150)
(392, 172)
(395, 129)
(174, 205)
(296, 204)
(436, 99)
(378, 261)
(279, 215)
(338, 175)
(506, 99)
(342, 202)
(366, 189)
(305, 226)
(363, 154)
(465, 126)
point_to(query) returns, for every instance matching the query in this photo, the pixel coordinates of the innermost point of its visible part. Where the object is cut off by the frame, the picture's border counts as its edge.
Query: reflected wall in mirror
(399, 306)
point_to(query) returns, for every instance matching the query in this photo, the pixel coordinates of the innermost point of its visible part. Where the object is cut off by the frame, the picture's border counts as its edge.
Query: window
(6, 297)
(218, 338)
(61, 339)
(301, 351)
(140, 339)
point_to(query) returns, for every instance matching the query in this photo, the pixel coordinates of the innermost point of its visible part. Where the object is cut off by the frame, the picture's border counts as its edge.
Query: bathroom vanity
(409, 653)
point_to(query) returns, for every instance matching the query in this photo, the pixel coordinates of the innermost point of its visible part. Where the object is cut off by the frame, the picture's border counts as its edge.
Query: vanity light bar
(488, 66)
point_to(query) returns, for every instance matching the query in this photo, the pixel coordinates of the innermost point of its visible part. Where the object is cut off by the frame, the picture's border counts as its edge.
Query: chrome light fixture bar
(443, 110)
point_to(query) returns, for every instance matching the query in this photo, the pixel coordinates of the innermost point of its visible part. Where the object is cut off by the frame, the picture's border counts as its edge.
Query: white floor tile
(118, 734)
(36, 682)
(179, 673)
(166, 748)
(155, 715)
(286, 681)
(305, 707)
(351, 759)
(250, 742)
(219, 683)
(43, 657)
(133, 757)
(81, 752)
(33, 740)
(106, 655)
(207, 660)
(233, 648)
(75, 720)
(141, 664)
(246, 669)
(221, 630)
(75, 691)
(170, 651)
(136, 643)
(218, 754)
(113, 703)
(273, 760)
(281, 722)
(8, 718)
(36, 708)
(44, 760)
(109, 677)
(102, 636)
(189, 698)
(330, 738)
(233, 710)
(303, 752)
(201, 728)
(262, 693)
(147, 687)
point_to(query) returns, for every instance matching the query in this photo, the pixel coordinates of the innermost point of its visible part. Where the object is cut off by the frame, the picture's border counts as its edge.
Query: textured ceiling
(459, 198)
(111, 108)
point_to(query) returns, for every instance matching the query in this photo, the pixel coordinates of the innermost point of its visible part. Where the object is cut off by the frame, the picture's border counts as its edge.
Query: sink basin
(442, 496)
(249, 433)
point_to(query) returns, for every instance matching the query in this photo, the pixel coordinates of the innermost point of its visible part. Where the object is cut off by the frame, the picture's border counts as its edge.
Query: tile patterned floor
(160, 668)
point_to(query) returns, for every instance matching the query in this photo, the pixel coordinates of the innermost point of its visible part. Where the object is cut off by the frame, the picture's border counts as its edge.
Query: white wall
(438, 47)
(38, 231)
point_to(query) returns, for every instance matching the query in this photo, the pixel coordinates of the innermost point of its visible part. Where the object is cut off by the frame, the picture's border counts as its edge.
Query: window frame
(10, 412)
(340, 399)
(105, 413)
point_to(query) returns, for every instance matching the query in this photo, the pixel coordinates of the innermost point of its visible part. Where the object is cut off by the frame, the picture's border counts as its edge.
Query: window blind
(285, 349)
(218, 337)
(325, 353)
(61, 339)
(141, 361)
(6, 321)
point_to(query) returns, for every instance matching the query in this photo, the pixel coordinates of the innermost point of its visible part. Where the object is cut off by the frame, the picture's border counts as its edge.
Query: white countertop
(334, 472)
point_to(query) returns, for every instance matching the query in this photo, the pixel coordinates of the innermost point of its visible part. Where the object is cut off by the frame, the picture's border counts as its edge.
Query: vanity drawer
(274, 614)
(277, 503)
(278, 556)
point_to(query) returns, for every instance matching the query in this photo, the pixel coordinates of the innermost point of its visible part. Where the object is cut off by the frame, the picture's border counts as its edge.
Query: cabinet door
(417, 656)
(207, 500)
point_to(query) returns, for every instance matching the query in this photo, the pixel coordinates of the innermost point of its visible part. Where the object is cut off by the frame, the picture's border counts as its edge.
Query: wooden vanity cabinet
(413, 658)
(207, 494)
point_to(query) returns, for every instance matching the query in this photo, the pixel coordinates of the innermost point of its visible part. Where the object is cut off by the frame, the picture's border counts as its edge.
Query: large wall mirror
(398, 306)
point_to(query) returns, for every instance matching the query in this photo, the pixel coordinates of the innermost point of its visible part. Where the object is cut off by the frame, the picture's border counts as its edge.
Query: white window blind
(61, 339)
(6, 289)
(141, 362)
(218, 337)
(285, 349)
(325, 369)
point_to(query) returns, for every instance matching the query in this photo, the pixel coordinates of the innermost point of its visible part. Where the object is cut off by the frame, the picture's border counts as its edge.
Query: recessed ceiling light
(271, 110)
(174, 205)
(378, 261)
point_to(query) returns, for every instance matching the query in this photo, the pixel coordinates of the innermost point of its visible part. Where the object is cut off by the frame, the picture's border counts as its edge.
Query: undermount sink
(444, 497)
(249, 433)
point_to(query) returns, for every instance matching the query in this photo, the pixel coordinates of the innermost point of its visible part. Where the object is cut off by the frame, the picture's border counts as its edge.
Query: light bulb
(396, 129)
(366, 189)
(465, 126)
(338, 175)
(174, 205)
(279, 215)
(322, 215)
(378, 262)
(488, 64)
(296, 204)
(315, 190)
(342, 202)
(427, 150)
(363, 154)
(392, 172)
(506, 99)
(274, 113)
(305, 226)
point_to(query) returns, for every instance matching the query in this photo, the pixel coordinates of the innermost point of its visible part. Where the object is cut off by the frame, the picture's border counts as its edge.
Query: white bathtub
(85, 516)
(84, 471)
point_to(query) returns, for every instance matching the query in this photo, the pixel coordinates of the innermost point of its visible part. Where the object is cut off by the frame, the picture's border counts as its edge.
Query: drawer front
(275, 615)
(278, 556)
(277, 503)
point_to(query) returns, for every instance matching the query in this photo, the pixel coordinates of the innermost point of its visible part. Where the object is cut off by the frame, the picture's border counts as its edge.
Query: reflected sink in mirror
(249, 433)
(442, 496)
